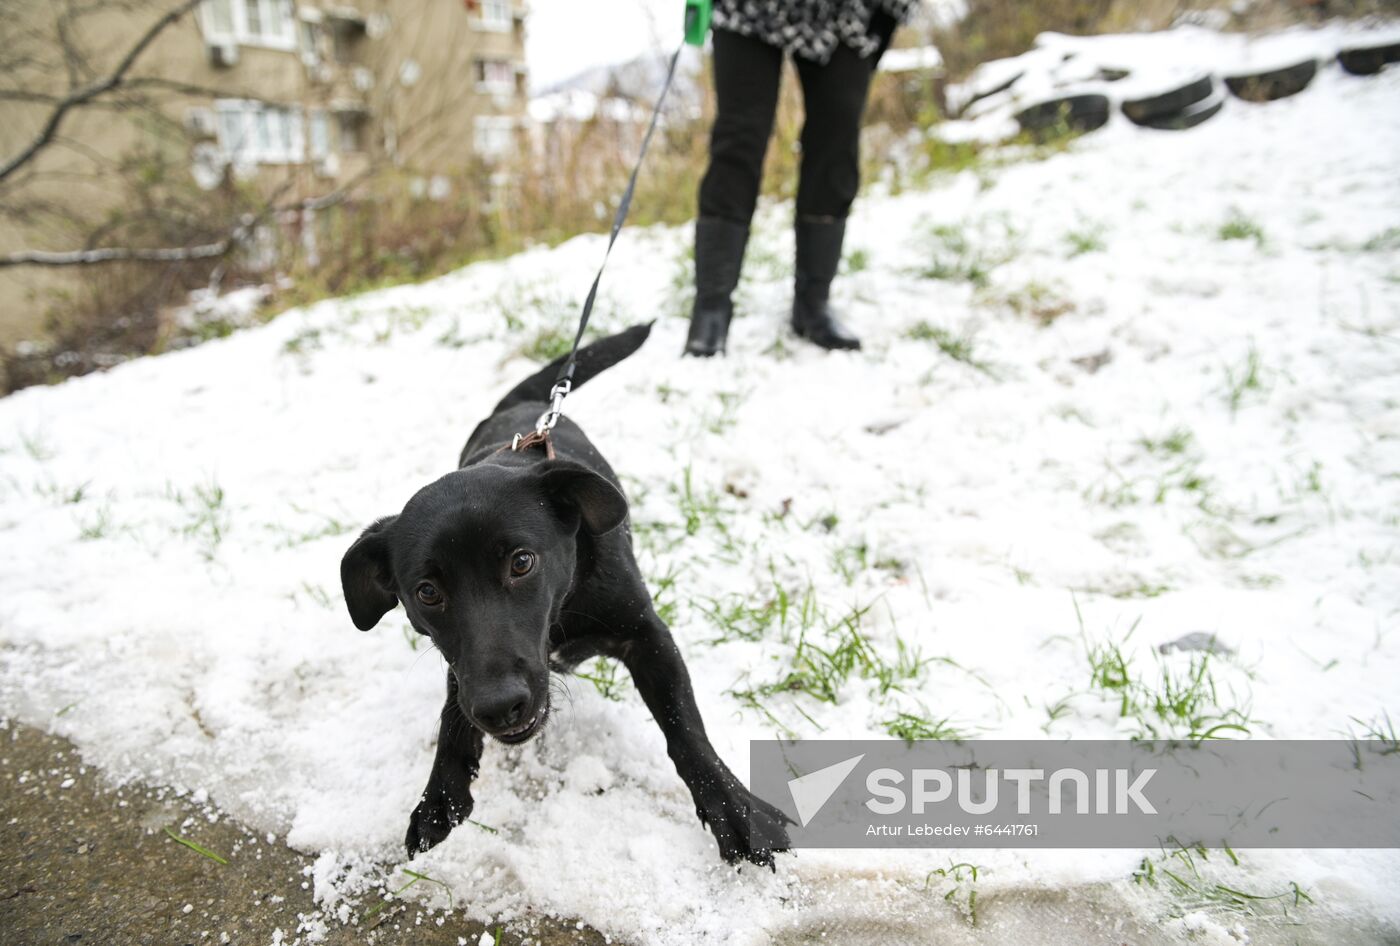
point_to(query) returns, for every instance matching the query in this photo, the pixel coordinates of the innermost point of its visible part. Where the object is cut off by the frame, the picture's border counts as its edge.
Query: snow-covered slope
(1205, 437)
(1125, 67)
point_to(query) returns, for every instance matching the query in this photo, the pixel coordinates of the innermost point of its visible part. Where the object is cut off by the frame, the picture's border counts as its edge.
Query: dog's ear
(366, 576)
(596, 500)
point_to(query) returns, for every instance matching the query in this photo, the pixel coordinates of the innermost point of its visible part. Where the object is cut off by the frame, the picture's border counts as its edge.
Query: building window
(307, 34)
(262, 130)
(347, 30)
(495, 75)
(218, 18)
(258, 133)
(350, 127)
(494, 136)
(232, 130)
(320, 134)
(250, 22)
(494, 15)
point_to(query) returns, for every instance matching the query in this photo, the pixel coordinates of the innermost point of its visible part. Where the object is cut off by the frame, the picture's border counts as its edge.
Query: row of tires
(1198, 100)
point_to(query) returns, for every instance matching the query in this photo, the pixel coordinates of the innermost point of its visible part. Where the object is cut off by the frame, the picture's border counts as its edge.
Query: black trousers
(747, 72)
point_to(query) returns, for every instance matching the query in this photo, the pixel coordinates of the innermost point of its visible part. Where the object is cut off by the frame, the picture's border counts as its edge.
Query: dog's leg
(447, 801)
(744, 826)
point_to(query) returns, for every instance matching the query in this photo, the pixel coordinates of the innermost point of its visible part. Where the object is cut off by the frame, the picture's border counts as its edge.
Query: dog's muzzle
(526, 730)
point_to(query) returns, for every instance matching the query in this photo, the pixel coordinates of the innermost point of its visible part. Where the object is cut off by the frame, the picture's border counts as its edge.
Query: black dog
(517, 563)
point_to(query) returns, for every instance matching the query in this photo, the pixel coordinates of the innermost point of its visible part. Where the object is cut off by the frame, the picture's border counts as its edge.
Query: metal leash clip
(556, 404)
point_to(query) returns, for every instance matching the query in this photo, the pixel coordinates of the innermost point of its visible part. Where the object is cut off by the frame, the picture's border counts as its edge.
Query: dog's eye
(522, 563)
(428, 594)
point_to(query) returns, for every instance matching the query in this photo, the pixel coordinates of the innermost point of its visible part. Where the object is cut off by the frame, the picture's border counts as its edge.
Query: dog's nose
(503, 707)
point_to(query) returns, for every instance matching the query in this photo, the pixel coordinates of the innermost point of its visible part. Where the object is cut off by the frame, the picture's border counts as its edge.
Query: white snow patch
(1148, 63)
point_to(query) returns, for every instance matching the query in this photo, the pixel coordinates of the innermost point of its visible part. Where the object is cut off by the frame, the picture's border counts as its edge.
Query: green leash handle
(697, 20)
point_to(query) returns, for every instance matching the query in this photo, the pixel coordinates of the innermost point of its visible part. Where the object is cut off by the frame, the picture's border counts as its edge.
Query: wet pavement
(84, 863)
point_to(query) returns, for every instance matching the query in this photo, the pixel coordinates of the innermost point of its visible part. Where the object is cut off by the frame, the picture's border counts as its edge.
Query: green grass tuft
(1173, 443)
(1237, 226)
(912, 728)
(1187, 876)
(196, 847)
(98, 527)
(1387, 241)
(957, 347)
(208, 519)
(605, 678)
(828, 655)
(1038, 301)
(1243, 380)
(547, 344)
(1380, 729)
(416, 878)
(1086, 239)
(36, 446)
(1180, 703)
(963, 893)
(956, 257)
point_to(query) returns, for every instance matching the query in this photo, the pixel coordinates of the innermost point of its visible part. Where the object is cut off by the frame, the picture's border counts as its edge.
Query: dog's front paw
(434, 818)
(745, 826)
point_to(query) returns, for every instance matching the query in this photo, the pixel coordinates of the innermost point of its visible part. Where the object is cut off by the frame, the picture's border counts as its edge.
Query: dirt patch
(85, 863)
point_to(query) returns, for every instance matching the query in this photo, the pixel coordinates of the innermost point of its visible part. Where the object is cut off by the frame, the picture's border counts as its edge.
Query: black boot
(719, 253)
(818, 254)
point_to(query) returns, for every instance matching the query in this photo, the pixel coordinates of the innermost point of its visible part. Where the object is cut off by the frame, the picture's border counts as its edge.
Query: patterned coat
(813, 28)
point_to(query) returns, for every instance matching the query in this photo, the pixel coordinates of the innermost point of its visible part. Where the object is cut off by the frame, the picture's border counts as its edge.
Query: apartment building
(366, 77)
(300, 95)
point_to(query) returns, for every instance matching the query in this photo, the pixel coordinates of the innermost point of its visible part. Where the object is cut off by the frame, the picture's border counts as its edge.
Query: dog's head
(483, 560)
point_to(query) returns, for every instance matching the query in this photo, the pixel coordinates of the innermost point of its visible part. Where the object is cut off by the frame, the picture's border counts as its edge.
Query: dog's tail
(593, 359)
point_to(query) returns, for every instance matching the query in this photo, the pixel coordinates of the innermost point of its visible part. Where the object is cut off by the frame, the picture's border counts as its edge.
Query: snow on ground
(1205, 437)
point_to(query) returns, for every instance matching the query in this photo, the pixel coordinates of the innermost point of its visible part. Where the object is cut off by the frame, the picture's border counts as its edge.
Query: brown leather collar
(526, 442)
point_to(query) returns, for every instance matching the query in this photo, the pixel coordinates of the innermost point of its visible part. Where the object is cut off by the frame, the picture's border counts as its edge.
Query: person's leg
(747, 72)
(834, 97)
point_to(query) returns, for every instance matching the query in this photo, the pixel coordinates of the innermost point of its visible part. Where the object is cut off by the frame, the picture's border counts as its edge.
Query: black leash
(565, 380)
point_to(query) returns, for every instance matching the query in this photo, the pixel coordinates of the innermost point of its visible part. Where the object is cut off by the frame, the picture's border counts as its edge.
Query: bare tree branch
(72, 61)
(25, 95)
(181, 254)
(159, 83)
(117, 255)
(93, 90)
(192, 89)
